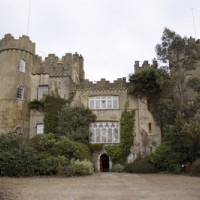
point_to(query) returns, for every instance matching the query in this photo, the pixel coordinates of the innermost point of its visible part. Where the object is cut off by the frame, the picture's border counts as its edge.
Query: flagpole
(194, 23)
(29, 12)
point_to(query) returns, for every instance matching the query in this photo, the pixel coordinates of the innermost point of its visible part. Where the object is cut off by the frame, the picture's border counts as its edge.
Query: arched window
(20, 92)
(22, 65)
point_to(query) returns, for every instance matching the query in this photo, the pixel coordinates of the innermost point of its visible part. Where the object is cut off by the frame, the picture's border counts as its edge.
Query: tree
(151, 83)
(177, 51)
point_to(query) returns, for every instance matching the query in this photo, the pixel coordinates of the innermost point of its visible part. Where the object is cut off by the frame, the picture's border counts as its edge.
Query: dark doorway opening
(104, 163)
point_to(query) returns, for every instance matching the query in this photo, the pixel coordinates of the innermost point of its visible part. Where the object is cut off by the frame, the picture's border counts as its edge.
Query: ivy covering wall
(119, 153)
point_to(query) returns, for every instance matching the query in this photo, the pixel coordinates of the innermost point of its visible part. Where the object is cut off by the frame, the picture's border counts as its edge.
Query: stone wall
(145, 141)
(15, 112)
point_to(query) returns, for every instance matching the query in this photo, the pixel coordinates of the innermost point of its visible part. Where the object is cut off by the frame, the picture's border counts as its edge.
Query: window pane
(92, 138)
(97, 104)
(103, 104)
(104, 139)
(110, 135)
(97, 135)
(115, 103)
(42, 90)
(20, 92)
(91, 106)
(40, 128)
(109, 104)
(116, 135)
(22, 65)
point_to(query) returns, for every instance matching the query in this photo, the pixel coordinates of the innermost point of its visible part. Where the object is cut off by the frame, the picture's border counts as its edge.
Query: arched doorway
(104, 163)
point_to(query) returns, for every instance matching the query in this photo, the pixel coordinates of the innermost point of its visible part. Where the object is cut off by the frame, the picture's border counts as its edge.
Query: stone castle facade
(24, 76)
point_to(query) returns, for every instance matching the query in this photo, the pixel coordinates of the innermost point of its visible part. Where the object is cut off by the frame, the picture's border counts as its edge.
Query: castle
(24, 76)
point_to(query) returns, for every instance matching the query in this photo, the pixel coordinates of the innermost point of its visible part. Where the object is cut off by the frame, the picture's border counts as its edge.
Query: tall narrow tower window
(20, 92)
(22, 65)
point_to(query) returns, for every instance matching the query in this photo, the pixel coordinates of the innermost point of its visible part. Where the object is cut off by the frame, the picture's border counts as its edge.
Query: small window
(19, 130)
(22, 65)
(20, 92)
(40, 128)
(149, 127)
(42, 90)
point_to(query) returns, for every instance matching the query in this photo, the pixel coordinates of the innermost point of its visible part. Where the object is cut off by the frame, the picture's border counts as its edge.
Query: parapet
(56, 67)
(137, 66)
(23, 43)
(120, 83)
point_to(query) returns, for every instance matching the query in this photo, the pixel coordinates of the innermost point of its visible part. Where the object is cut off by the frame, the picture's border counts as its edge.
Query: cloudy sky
(110, 34)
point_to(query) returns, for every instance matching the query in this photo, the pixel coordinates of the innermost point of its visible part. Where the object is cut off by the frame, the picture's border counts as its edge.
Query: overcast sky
(110, 34)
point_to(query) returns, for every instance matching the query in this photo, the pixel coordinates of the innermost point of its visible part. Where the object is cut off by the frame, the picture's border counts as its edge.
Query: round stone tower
(16, 62)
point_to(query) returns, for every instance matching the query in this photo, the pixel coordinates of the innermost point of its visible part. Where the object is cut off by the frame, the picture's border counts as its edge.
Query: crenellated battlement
(23, 43)
(54, 66)
(137, 66)
(103, 84)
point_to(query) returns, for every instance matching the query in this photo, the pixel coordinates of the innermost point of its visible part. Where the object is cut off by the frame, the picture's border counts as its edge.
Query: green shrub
(166, 159)
(52, 165)
(140, 165)
(95, 147)
(81, 151)
(195, 169)
(48, 166)
(43, 142)
(118, 168)
(70, 149)
(17, 157)
(79, 168)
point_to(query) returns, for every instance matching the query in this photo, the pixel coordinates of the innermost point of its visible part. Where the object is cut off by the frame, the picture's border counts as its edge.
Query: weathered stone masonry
(24, 76)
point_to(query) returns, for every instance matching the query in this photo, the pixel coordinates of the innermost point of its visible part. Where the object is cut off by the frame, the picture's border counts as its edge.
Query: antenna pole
(193, 23)
(29, 13)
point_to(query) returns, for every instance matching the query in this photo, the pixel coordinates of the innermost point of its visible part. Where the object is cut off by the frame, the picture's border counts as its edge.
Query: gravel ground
(108, 186)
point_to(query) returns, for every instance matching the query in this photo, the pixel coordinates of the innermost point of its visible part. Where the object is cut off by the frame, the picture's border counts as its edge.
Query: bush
(140, 165)
(165, 159)
(81, 151)
(78, 168)
(17, 157)
(95, 147)
(118, 168)
(52, 165)
(70, 149)
(43, 142)
(195, 169)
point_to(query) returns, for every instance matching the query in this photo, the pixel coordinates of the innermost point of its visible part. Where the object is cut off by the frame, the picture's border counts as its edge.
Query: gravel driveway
(107, 186)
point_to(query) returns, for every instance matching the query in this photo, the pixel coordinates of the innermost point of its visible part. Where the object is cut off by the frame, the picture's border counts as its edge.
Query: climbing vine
(52, 106)
(118, 153)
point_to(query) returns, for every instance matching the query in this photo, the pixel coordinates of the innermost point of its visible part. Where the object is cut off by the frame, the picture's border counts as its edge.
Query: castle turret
(16, 61)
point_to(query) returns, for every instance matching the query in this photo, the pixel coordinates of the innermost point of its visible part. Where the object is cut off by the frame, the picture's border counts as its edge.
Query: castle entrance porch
(104, 163)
